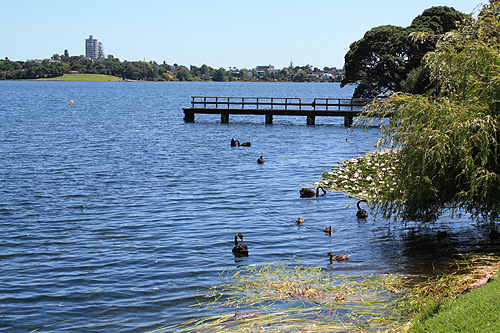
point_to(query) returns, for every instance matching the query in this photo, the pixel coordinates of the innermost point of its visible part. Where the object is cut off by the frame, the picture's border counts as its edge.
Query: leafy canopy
(448, 143)
(385, 55)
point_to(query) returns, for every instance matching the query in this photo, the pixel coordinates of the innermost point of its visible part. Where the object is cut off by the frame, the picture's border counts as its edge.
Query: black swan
(441, 234)
(239, 249)
(494, 234)
(260, 160)
(338, 257)
(361, 213)
(308, 193)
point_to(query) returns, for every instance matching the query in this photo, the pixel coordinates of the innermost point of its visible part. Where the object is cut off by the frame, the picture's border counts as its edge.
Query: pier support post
(224, 117)
(311, 120)
(348, 121)
(189, 117)
(269, 118)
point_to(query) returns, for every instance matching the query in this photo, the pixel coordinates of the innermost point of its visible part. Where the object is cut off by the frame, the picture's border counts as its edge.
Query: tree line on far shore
(59, 65)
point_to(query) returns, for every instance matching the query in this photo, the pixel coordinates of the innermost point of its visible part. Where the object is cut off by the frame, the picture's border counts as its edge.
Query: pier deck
(276, 106)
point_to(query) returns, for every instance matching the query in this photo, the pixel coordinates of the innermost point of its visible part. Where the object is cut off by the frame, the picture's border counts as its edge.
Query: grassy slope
(477, 311)
(83, 77)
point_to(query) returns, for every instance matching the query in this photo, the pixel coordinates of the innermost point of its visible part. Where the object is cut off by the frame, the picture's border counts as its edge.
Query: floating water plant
(281, 298)
(363, 177)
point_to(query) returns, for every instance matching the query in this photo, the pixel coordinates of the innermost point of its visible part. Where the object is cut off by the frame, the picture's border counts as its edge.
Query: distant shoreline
(111, 78)
(82, 77)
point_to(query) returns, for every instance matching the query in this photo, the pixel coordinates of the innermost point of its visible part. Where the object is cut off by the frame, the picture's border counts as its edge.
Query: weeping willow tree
(447, 141)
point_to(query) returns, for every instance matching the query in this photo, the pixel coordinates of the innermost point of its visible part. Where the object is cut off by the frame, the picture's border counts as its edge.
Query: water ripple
(116, 214)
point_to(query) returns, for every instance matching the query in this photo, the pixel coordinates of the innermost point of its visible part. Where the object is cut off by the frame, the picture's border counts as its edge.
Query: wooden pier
(276, 106)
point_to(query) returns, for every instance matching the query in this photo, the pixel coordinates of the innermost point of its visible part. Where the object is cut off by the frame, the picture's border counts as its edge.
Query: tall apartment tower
(93, 49)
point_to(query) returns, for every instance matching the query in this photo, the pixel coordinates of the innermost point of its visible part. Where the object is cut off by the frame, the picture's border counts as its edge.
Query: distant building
(265, 68)
(50, 61)
(327, 77)
(273, 73)
(94, 49)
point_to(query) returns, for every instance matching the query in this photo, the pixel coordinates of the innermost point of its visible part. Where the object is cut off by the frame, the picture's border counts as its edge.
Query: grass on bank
(476, 311)
(428, 300)
(84, 77)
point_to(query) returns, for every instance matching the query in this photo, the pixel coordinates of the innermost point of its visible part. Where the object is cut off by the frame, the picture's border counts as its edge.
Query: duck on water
(338, 257)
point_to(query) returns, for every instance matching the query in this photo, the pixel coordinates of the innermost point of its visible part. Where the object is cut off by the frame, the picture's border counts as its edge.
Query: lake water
(115, 214)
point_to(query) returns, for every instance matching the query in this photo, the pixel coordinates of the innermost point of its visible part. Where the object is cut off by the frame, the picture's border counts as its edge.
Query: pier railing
(277, 103)
(276, 106)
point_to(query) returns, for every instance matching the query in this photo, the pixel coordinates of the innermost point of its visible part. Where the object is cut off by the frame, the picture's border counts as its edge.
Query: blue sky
(219, 33)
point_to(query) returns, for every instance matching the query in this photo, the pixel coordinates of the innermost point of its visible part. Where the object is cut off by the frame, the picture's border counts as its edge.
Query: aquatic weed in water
(292, 298)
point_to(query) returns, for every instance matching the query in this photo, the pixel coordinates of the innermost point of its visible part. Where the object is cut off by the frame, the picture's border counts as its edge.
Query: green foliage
(448, 144)
(385, 55)
(300, 77)
(204, 69)
(442, 302)
(437, 20)
(184, 74)
(31, 70)
(83, 77)
(377, 60)
(140, 70)
(417, 81)
(473, 312)
(220, 75)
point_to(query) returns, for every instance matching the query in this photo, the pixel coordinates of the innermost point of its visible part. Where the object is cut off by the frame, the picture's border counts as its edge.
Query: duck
(328, 230)
(308, 192)
(338, 257)
(441, 234)
(239, 249)
(234, 143)
(260, 160)
(361, 213)
(300, 220)
(494, 234)
(244, 144)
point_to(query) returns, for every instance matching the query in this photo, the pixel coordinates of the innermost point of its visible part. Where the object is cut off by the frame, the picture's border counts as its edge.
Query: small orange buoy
(71, 102)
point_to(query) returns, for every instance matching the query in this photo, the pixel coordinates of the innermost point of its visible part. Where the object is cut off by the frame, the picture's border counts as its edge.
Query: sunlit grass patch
(425, 298)
(363, 177)
(284, 298)
(472, 312)
(83, 77)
